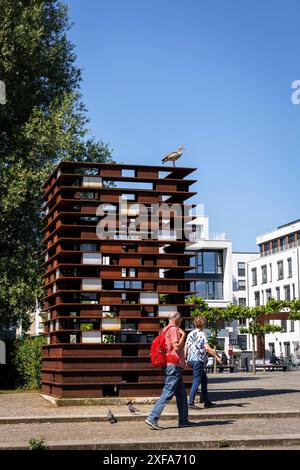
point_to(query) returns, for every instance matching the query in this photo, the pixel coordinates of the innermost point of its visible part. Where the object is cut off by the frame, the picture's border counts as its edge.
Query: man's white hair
(174, 315)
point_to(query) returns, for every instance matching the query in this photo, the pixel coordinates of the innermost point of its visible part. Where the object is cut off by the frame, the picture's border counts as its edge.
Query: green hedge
(27, 361)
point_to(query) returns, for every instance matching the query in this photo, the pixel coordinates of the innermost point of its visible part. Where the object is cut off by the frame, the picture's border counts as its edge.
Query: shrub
(37, 444)
(27, 361)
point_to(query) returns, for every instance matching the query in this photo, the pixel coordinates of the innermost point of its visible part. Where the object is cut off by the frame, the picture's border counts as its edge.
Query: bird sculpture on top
(173, 156)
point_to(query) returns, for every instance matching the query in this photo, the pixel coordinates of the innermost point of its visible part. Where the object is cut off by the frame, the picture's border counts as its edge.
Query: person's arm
(186, 348)
(185, 351)
(178, 345)
(212, 352)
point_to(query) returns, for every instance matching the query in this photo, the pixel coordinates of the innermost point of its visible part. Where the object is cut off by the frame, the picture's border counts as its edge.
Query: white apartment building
(240, 294)
(276, 274)
(220, 277)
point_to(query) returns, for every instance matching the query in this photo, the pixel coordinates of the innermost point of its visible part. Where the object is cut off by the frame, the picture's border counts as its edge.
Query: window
(283, 325)
(274, 246)
(242, 301)
(256, 299)
(268, 295)
(210, 262)
(291, 240)
(290, 270)
(242, 341)
(270, 268)
(254, 277)
(200, 263)
(132, 272)
(272, 348)
(287, 349)
(242, 322)
(280, 269)
(128, 197)
(282, 243)
(118, 284)
(241, 285)
(278, 293)
(267, 249)
(127, 284)
(292, 326)
(294, 293)
(264, 276)
(88, 247)
(287, 292)
(219, 256)
(242, 269)
(133, 284)
(128, 173)
(210, 290)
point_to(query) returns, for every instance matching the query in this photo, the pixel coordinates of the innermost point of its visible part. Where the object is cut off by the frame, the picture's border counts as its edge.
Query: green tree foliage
(27, 361)
(42, 122)
(256, 316)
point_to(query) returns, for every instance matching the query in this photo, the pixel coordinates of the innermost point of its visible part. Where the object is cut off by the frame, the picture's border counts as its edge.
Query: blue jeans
(173, 386)
(199, 376)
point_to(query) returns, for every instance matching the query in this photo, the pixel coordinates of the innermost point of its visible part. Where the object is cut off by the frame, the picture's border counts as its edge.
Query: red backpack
(158, 349)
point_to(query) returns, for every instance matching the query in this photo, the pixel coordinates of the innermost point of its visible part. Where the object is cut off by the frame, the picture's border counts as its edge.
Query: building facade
(220, 278)
(276, 274)
(240, 295)
(111, 280)
(212, 269)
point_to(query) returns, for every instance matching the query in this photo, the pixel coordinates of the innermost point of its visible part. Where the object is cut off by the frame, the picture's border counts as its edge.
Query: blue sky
(214, 75)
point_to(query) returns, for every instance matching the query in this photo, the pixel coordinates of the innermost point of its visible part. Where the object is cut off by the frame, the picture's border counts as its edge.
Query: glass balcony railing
(198, 236)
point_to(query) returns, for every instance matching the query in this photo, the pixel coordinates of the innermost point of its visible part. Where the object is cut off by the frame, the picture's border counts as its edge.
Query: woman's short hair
(199, 322)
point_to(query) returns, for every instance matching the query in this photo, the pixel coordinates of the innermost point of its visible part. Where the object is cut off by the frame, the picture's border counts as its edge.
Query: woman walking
(195, 350)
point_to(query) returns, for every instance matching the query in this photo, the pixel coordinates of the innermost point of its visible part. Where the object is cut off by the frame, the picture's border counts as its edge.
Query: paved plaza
(261, 411)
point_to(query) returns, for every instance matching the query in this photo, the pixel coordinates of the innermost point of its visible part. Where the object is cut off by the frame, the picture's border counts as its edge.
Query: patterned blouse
(195, 342)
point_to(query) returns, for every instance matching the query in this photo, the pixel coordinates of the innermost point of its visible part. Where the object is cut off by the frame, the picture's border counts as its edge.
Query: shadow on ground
(213, 379)
(253, 393)
(198, 424)
(226, 405)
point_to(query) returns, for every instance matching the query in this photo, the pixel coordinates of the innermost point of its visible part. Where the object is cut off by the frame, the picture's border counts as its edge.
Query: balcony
(197, 236)
(279, 249)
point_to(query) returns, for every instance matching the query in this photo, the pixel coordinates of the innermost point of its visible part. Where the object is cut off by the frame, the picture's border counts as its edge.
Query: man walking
(175, 339)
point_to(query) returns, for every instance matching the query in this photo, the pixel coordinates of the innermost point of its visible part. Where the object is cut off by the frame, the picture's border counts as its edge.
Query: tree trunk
(253, 355)
(264, 347)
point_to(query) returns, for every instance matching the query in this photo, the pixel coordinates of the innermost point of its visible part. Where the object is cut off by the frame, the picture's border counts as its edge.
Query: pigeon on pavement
(131, 408)
(111, 418)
